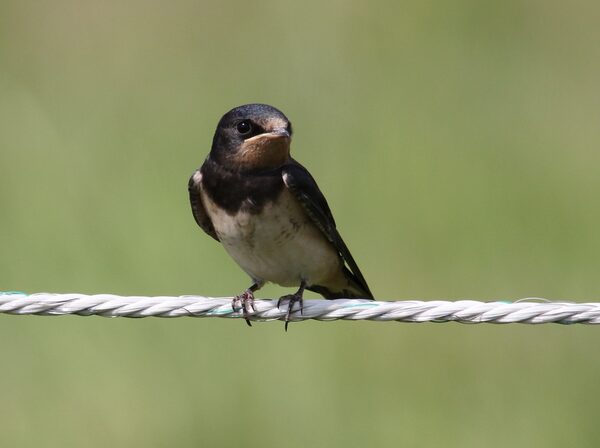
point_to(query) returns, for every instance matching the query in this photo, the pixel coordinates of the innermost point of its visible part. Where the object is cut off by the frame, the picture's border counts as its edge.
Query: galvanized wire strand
(525, 311)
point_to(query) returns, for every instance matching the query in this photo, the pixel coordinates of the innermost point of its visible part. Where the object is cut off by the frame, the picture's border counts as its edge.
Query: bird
(269, 214)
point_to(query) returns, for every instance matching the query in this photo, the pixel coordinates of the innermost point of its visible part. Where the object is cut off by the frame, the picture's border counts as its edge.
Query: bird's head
(252, 137)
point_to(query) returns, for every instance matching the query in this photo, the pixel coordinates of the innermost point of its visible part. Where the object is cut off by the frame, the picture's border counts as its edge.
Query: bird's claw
(293, 298)
(245, 301)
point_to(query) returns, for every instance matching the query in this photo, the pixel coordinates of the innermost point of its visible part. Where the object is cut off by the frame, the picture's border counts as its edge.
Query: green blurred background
(457, 144)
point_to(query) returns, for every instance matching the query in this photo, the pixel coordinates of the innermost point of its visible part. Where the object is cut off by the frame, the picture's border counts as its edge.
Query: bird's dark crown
(238, 140)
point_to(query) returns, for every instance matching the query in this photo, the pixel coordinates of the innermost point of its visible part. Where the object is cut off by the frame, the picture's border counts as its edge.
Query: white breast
(280, 244)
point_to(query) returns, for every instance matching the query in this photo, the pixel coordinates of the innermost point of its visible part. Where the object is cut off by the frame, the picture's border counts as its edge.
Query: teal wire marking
(361, 305)
(225, 309)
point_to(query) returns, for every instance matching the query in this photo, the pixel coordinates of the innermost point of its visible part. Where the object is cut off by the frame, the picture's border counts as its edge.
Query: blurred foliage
(458, 146)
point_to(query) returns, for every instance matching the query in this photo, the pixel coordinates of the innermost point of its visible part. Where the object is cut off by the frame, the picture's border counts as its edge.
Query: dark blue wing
(304, 188)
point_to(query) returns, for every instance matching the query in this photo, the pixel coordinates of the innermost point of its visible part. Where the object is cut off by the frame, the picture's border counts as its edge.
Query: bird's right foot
(245, 301)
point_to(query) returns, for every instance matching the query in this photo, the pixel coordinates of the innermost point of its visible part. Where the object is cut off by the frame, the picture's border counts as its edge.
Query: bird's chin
(264, 151)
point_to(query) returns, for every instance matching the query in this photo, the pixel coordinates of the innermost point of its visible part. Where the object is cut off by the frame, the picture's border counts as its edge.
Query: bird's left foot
(246, 301)
(292, 298)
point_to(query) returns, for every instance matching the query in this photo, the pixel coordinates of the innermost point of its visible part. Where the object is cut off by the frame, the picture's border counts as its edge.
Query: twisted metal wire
(526, 311)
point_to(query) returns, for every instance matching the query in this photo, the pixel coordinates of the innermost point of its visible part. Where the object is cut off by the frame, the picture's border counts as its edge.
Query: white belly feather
(280, 244)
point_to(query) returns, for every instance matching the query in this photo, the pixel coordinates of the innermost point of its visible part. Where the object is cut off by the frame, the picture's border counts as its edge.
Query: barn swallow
(268, 212)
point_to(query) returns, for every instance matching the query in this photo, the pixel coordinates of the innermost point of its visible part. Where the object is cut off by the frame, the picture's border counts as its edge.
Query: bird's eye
(244, 127)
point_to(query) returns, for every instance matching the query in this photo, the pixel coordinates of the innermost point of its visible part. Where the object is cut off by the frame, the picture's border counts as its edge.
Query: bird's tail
(349, 288)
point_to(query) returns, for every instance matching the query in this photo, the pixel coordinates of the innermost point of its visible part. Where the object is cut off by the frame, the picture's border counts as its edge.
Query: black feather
(198, 210)
(234, 191)
(302, 185)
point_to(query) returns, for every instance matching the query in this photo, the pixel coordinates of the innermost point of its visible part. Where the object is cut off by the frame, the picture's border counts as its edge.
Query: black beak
(281, 132)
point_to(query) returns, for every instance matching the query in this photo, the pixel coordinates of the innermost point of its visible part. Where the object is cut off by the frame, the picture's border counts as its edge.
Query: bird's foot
(292, 298)
(246, 301)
